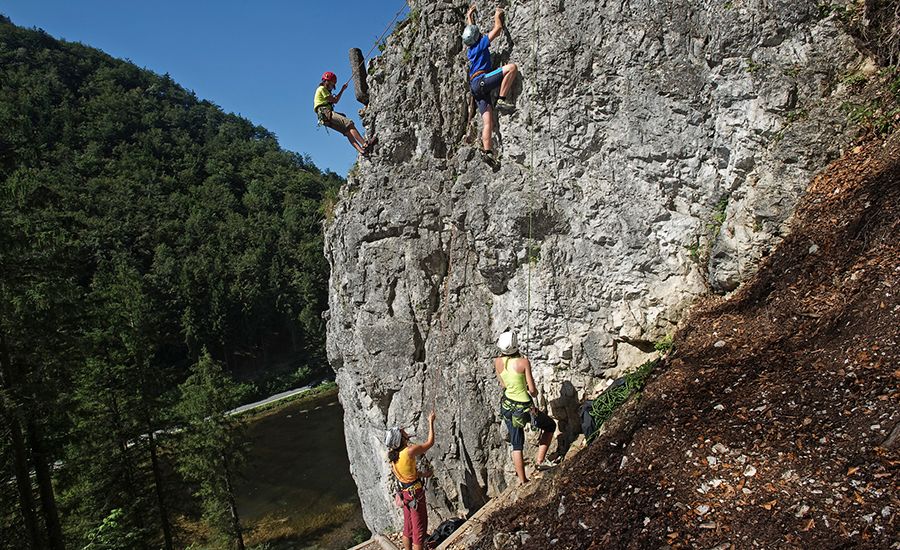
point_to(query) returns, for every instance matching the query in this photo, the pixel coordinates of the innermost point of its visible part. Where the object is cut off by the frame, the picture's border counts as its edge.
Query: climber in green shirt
(323, 104)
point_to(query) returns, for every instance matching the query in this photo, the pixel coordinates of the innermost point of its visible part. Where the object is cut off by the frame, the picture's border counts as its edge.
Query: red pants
(415, 520)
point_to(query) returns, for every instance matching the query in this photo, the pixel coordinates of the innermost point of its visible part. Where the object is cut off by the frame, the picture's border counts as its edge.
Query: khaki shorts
(336, 121)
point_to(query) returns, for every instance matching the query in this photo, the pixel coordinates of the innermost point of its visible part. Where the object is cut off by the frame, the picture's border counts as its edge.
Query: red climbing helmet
(329, 76)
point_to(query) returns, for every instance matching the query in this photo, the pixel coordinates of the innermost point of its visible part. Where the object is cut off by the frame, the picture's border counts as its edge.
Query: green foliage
(664, 344)
(752, 66)
(855, 78)
(843, 11)
(878, 111)
(112, 534)
(330, 201)
(698, 253)
(610, 400)
(138, 226)
(209, 452)
(360, 536)
(718, 217)
(694, 251)
(793, 71)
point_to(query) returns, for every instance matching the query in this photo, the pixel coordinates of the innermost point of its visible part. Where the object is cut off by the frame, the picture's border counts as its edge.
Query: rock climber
(483, 80)
(323, 104)
(516, 406)
(402, 454)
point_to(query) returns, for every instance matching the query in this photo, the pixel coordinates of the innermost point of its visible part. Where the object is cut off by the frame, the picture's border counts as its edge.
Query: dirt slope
(776, 422)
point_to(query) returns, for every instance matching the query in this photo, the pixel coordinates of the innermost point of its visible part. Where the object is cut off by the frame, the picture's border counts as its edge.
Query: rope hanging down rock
(358, 61)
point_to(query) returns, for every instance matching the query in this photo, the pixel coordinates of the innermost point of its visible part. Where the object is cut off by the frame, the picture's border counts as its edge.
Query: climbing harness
(402, 489)
(517, 412)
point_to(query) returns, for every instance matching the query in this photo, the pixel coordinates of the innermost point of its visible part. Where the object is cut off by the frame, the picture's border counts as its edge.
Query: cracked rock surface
(657, 151)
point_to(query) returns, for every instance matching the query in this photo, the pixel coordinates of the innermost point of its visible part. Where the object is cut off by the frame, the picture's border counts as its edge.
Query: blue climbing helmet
(471, 35)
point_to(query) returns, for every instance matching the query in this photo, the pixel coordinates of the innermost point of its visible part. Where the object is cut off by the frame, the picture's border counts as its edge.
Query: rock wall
(656, 153)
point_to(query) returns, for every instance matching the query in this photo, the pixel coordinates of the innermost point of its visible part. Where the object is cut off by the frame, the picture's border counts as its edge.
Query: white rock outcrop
(656, 153)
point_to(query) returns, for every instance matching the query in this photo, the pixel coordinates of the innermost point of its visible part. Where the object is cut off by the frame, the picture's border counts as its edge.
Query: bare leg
(353, 142)
(509, 76)
(359, 139)
(417, 547)
(407, 543)
(488, 118)
(543, 445)
(519, 463)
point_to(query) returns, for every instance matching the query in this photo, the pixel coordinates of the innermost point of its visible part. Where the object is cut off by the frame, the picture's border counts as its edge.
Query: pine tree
(209, 450)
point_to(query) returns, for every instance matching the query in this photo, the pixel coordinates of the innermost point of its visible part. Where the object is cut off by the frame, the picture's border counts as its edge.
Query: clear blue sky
(260, 59)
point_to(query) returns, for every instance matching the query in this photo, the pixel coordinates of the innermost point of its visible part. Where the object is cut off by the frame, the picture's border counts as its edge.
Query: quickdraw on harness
(323, 114)
(516, 412)
(402, 490)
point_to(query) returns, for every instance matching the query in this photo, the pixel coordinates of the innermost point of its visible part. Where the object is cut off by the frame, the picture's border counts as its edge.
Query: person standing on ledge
(323, 104)
(514, 373)
(483, 80)
(402, 455)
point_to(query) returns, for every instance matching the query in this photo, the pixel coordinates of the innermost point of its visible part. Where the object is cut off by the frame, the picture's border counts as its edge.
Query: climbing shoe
(504, 107)
(371, 141)
(489, 158)
(545, 465)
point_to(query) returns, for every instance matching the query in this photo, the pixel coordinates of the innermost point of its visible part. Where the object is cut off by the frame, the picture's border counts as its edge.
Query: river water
(297, 491)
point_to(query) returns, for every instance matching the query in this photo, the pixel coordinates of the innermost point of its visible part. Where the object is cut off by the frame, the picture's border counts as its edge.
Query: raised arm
(470, 19)
(498, 25)
(417, 450)
(335, 98)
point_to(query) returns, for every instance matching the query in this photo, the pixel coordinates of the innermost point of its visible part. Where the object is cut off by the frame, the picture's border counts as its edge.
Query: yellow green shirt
(516, 384)
(322, 97)
(405, 467)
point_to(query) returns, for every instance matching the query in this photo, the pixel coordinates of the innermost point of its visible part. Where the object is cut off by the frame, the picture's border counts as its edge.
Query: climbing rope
(535, 30)
(532, 198)
(386, 29)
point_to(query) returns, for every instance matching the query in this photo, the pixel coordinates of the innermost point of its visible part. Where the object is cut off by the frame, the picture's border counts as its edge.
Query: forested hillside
(139, 226)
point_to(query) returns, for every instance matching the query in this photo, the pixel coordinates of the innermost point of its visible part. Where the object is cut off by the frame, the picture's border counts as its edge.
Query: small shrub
(694, 251)
(360, 536)
(717, 218)
(854, 79)
(752, 66)
(330, 200)
(664, 344)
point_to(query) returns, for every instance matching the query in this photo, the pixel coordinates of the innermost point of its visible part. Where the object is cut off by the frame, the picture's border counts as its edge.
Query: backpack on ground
(589, 425)
(443, 531)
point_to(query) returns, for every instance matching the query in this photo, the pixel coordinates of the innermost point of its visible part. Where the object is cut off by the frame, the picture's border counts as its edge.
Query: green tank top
(516, 385)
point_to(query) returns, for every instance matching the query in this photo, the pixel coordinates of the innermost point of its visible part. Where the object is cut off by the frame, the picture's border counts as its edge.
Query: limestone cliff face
(656, 153)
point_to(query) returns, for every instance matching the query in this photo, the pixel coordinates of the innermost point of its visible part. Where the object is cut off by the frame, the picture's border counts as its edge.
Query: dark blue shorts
(542, 421)
(482, 86)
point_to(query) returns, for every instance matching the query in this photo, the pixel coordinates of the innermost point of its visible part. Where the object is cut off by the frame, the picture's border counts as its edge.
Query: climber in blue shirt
(483, 80)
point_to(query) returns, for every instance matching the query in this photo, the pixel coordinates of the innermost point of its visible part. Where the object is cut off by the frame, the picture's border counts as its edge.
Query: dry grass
(273, 529)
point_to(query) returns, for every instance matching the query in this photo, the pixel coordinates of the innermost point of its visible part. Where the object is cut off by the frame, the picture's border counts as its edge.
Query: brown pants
(336, 121)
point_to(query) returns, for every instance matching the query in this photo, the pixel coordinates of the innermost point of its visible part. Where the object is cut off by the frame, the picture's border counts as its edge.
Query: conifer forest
(156, 254)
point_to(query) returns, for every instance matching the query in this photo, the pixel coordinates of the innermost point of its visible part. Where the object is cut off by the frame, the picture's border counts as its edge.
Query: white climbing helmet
(470, 35)
(508, 343)
(392, 438)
